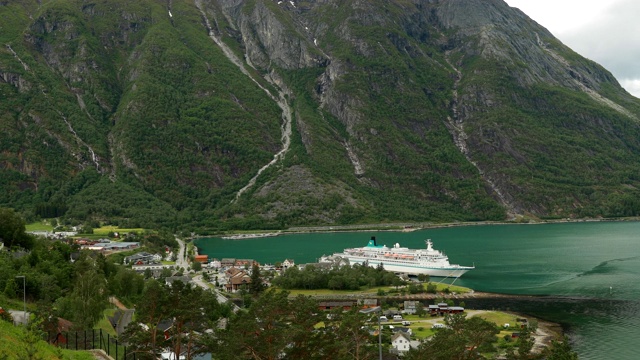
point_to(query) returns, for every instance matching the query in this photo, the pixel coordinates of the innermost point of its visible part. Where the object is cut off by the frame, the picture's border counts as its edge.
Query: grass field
(14, 344)
(39, 226)
(500, 318)
(105, 230)
(104, 323)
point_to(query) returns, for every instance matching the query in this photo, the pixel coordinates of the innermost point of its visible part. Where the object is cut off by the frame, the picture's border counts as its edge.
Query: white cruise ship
(401, 259)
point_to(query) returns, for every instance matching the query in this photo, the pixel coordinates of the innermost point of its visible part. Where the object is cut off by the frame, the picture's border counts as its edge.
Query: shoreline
(395, 227)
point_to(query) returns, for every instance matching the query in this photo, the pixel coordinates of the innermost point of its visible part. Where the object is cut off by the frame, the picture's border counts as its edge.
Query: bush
(6, 316)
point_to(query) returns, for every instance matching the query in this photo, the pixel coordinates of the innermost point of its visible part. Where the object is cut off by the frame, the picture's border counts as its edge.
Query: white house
(215, 264)
(287, 263)
(401, 342)
(410, 307)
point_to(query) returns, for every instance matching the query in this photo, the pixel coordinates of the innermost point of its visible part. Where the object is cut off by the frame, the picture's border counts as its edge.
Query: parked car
(383, 318)
(397, 317)
(406, 323)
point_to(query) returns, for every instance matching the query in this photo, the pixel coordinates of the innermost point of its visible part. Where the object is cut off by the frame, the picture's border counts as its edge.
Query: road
(125, 318)
(221, 298)
(181, 260)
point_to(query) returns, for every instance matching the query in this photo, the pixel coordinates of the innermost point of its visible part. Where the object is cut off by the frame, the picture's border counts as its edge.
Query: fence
(90, 340)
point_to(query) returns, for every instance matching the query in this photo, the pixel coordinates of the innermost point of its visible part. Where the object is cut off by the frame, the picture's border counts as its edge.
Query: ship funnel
(373, 240)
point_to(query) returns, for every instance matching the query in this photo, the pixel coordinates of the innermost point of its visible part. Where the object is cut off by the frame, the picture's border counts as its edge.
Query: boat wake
(602, 267)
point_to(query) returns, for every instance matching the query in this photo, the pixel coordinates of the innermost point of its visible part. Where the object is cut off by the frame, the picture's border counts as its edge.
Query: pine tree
(256, 286)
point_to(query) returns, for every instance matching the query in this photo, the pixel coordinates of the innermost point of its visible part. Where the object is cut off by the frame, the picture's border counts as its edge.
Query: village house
(142, 258)
(107, 245)
(287, 263)
(227, 262)
(330, 305)
(401, 342)
(444, 308)
(236, 279)
(246, 263)
(215, 264)
(368, 303)
(152, 267)
(410, 307)
(401, 329)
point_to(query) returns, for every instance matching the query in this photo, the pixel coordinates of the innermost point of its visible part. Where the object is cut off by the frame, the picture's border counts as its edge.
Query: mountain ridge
(226, 114)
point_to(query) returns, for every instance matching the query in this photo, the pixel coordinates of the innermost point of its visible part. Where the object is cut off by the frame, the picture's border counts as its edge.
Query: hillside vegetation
(162, 114)
(17, 344)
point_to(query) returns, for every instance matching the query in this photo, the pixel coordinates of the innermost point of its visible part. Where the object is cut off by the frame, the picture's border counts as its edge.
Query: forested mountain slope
(261, 113)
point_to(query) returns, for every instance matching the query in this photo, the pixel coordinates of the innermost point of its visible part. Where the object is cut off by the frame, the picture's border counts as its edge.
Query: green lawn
(422, 331)
(39, 226)
(105, 230)
(104, 323)
(14, 344)
(500, 318)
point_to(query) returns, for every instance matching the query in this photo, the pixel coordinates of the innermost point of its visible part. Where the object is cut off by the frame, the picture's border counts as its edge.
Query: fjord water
(585, 276)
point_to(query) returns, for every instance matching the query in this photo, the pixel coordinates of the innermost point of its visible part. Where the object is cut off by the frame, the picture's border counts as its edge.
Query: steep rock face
(270, 38)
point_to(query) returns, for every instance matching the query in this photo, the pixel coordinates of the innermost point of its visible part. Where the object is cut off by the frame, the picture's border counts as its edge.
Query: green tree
(143, 335)
(258, 333)
(432, 288)
(462, 339)
(89, 297)
(11, 289)
(560, 350)
(307, 341)
(524, 344)
(12, 230)
(256, 286)
(188, 312)
(351, 339)
(196, 266)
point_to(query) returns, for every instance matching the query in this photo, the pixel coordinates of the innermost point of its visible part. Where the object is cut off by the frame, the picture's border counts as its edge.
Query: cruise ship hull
(413, 269)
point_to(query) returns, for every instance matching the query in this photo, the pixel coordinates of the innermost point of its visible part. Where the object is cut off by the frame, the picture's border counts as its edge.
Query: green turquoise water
(588, 273)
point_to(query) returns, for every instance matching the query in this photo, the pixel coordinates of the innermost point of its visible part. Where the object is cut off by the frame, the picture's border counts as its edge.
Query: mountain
(215, 114)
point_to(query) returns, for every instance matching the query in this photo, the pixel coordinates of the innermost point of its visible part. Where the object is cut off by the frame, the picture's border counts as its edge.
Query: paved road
(125, 319)
(221, 298)
(181, 260)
